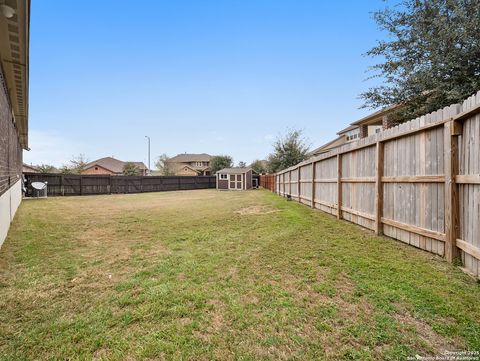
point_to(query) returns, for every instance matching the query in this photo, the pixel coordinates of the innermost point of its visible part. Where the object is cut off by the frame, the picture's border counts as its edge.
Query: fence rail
(71, 184)
(418, 182)
(267, 181)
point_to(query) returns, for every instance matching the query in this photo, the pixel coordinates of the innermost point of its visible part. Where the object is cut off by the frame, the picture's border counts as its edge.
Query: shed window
(223, 176)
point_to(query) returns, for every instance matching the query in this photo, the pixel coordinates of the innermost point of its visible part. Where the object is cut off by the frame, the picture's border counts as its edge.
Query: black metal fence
(72, 184)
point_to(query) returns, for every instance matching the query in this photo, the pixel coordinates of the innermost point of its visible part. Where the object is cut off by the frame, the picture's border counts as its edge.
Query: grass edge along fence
(418, 182)
(73, 184)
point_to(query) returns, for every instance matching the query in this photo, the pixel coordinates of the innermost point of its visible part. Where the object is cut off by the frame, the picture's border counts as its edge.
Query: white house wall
(9, 203)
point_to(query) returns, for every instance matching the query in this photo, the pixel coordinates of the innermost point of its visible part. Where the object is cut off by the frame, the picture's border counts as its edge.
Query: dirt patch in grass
(435, 343)
(257, 209)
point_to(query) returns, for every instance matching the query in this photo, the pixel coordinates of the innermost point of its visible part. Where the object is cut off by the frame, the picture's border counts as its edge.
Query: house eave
(14, 61)
(376, 117)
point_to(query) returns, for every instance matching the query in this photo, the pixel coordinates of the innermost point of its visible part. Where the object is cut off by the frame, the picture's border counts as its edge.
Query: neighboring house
(14, 67)
(111, 166)
(365, 127)
(29, 169)
(190, 164)
(235, 179)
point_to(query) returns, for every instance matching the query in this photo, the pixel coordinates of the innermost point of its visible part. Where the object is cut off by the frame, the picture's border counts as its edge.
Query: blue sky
(221, 77)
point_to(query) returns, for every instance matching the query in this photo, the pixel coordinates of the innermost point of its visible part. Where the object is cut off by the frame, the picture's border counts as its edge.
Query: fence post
(62, 186)
(451, 193)
(339, 186)
(290, 183)
(298, 186)
(379, 188)
(81, 185)
(313, 185)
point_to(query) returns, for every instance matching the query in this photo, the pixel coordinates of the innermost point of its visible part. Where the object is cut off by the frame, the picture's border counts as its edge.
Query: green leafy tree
(163, 165)
(288, 150)
(259, 166)
(130, 169)
(242, 164)
(431, 57)
(219, 162)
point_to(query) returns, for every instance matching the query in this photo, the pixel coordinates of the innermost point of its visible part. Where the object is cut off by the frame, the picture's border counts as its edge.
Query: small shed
(234, 179)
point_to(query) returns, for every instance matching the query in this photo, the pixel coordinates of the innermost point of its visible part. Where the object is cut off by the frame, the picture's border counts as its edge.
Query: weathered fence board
(72, 184)
(418, 182)
(267, 181)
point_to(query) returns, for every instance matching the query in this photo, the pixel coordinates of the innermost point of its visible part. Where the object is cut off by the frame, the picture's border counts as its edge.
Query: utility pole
(148, 152)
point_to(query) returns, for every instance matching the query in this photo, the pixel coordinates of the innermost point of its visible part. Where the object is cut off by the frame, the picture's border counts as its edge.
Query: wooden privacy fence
(418, 182)
(267, 181)
(71, 184)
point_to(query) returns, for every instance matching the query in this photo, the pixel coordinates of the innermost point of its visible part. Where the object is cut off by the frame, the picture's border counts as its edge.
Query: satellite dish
(40, 186)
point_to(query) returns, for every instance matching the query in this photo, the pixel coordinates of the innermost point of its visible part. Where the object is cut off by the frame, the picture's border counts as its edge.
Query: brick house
(190, 164)
(14, 66)
(112, 166)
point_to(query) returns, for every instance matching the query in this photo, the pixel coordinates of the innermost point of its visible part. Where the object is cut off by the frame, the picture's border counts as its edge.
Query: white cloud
(51, 148)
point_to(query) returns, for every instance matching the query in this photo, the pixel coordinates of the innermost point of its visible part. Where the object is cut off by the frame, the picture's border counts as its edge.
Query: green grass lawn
(204, 275)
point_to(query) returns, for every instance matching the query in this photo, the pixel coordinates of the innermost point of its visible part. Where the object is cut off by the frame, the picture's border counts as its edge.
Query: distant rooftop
(190, 157)
(113, 164)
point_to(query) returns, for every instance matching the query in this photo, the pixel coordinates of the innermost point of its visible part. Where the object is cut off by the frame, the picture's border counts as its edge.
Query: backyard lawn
(206, 275)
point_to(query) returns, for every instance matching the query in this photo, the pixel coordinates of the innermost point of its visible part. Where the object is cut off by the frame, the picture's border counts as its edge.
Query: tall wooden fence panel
(267, 181)
(72, 184)
(418, 182)
(468, 181)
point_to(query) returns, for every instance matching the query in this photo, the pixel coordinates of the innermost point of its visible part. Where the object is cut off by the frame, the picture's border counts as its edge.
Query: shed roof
(234, 170)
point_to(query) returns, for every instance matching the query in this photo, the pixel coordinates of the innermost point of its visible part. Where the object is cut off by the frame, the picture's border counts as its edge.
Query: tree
(242, 164)
(432, 57)
(288, 150)
(46, 168)
(219, 162)
(130, 169)
(65, 169)
(259, 166)
(78, 164)
(163, 165)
